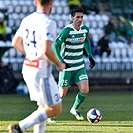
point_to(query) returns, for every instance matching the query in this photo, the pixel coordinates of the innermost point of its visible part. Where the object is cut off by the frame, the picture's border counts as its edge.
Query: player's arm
(88, 50)
(49, 55)
(57, 44)
(87, 47)
(17, 43)
(47, 40)
(56, 48)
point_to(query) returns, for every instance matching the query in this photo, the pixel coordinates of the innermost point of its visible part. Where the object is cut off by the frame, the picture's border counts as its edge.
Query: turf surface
(116, 108)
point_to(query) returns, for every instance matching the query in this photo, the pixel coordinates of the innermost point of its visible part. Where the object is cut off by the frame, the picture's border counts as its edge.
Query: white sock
(40, 127)
(35, 118)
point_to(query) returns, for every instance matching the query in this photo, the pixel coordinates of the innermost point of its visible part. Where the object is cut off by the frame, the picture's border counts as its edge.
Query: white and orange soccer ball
(94, 115)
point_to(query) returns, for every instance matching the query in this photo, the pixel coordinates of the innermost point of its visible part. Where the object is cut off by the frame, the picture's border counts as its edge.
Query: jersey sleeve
(19, 32)
(87, 45)
(50, 31)
(58, 42)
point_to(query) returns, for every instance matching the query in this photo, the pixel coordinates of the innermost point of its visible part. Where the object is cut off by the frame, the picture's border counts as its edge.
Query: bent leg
(40, 116)
(51, 111)
(80, 97)
(47, 98)
(36, 117)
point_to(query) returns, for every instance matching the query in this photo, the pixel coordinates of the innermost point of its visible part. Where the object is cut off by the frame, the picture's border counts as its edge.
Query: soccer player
(68, 48)
(34, 39)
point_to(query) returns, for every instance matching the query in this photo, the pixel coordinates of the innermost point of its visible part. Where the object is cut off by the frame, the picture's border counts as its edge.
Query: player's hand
(92, 62)
(62, 66)
(67, 66)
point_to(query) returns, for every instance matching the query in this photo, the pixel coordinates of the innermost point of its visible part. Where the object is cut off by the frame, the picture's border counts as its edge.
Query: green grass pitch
(116, 108)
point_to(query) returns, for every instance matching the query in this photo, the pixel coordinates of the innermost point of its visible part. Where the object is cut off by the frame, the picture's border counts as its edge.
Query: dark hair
(77, 9)
(44, 2)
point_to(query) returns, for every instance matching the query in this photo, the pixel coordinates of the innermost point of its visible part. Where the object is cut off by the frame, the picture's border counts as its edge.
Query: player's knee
(53, 110)
(85, 91)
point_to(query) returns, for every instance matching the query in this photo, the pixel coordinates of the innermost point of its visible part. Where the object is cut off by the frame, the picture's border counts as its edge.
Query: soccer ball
(94, 115)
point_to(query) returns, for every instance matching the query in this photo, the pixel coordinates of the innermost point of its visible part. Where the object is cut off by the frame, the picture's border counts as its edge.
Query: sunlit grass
(116, 108)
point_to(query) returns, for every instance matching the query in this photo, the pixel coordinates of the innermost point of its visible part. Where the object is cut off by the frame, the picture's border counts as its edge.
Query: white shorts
(43, 90)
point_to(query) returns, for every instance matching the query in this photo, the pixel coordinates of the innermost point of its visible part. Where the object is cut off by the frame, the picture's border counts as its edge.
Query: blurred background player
(103, 46)
(34, 39)
(4, 36)
(73, 4)
(68, 47)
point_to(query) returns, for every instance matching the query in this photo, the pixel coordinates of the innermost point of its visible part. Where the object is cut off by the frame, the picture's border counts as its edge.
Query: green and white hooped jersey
(72, 43)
